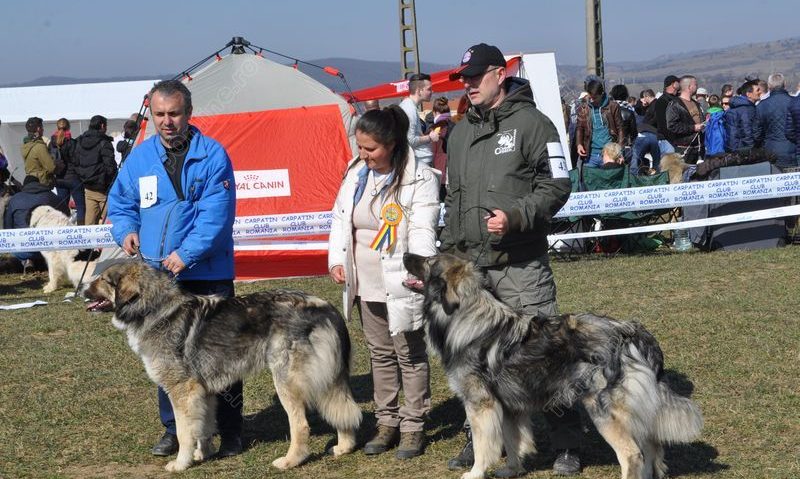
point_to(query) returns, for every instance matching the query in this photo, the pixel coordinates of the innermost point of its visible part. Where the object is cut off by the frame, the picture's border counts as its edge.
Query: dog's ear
(126, 287)
(440, 288)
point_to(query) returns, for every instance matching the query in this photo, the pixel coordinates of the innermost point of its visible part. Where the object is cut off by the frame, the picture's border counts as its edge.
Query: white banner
(85, 237)
(681, 194)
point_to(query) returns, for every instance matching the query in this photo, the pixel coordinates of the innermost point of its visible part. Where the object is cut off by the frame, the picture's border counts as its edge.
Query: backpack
(715, 134)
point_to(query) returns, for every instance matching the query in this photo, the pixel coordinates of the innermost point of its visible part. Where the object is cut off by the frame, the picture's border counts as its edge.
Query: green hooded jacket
(38, 162)
(506, 158)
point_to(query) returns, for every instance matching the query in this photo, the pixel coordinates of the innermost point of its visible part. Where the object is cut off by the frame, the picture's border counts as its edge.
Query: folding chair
(565, 249)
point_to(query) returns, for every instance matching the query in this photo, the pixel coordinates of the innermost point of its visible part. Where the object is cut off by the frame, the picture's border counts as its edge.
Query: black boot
(166, 446)
(230, 445)
(465, 458)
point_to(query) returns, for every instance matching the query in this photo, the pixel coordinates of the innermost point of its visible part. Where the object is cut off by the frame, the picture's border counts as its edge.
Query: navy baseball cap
(477, 59)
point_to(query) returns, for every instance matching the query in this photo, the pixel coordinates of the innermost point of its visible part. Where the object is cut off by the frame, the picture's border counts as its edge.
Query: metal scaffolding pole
(594, 39)
(408, 38)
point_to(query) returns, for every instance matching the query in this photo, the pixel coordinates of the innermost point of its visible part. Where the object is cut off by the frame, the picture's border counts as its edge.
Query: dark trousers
(229, 401)
(67, 187)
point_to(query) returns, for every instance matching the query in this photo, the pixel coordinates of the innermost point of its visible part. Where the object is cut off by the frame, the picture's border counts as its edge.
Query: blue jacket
(199, 228)
(739, 121)
(793, 124)
(770, 127)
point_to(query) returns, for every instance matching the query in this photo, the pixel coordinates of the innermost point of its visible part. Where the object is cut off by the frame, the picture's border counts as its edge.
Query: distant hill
(712, 67)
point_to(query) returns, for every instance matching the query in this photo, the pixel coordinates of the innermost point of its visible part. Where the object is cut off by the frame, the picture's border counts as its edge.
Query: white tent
(77, 103)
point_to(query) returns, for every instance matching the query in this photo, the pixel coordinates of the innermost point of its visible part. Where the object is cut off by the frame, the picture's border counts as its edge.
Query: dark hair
(171, 87)
(713, 100)
(33, 124)
(389, 126)
(441, 105)
(97, 122)
(595, 87)
(619, 92)
(727, 87)
(415, 81)
(129, 129)
(647, 92)
(747, 87)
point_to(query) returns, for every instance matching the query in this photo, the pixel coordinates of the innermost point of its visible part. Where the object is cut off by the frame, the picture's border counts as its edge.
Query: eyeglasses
(466, 78)
(726, 103)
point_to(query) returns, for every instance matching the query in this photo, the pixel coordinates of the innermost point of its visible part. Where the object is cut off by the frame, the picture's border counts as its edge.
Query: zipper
(164, 230)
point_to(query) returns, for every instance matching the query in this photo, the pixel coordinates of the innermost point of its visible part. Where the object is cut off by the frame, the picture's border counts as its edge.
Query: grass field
(76, 402)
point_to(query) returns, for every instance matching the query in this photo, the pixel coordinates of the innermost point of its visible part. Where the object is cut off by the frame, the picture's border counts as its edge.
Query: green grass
(76, 402)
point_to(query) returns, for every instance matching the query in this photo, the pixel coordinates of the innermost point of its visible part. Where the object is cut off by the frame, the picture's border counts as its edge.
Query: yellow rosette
(391, 214)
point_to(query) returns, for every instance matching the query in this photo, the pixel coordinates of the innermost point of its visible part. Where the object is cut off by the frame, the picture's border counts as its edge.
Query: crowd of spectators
(687, 119)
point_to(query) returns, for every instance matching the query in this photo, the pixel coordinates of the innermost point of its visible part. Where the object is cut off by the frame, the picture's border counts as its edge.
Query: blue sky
(89, 39)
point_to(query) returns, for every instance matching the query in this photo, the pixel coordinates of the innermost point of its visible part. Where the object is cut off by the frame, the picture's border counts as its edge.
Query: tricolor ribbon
(387, 235)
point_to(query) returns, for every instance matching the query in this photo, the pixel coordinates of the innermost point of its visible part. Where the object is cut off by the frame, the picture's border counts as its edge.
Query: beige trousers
(96, 206)
(398, 362)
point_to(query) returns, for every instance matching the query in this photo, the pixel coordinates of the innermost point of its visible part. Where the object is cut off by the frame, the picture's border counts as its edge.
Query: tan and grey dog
(505, 367)
(195, 346)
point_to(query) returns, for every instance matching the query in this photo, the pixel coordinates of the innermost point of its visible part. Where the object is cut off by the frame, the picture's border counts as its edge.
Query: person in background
(714, 105)
(38, 161)
(96, 168)
(685, 121)
(385, 188)
(741, 116)
(725, 103)
(443, 124)
(125, 145)
(671, 89)
(372, 105)
(599, 122)
(620, 94)
(612, 156)
(21, 205)
(701, 97)
(726, 91)
(419, 90)
(769, 128)
(174, 204)
(528, 184)
(647, 137)
(62, 149)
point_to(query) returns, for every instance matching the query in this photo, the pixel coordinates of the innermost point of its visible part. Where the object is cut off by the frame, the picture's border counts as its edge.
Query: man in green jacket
(38, 161)
(507, 178)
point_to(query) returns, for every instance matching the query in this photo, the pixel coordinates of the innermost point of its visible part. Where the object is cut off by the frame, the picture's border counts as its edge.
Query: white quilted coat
(419, 198)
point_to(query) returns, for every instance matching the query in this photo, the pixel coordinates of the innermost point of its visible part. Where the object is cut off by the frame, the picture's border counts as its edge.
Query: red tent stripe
(440, 80)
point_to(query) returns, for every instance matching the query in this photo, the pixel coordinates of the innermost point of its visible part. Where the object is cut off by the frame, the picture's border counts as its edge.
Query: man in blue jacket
(174, 203)
(769, 129)
(740, 118)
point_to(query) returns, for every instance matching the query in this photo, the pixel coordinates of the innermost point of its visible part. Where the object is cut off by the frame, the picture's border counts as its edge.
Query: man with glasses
(507, 178)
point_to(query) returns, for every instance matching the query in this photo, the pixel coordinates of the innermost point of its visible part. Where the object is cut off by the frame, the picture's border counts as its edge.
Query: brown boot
(411, 444)
(386, 437)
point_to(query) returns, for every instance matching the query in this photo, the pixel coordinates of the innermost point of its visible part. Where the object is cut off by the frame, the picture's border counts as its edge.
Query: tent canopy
(287, 136)
(440, 82)
(77, 103)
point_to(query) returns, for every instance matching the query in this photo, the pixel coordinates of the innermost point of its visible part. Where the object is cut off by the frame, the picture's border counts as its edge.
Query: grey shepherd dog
(196, 346)
(504, 367)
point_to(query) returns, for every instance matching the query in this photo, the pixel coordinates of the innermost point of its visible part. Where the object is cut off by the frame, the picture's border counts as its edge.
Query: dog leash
(486, 241)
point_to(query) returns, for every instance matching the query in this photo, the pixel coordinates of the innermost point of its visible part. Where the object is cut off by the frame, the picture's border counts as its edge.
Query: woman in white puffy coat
(387, 205)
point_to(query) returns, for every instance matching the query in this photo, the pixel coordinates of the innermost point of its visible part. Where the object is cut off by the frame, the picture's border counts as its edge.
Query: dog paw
(177, 466)
(49, 289)
(472, 475)
(285, 462)
(203, 451)
(339, 450)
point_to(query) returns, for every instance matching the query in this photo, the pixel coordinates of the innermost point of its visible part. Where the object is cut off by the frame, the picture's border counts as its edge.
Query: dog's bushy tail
(678, 419)
(334, 398)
